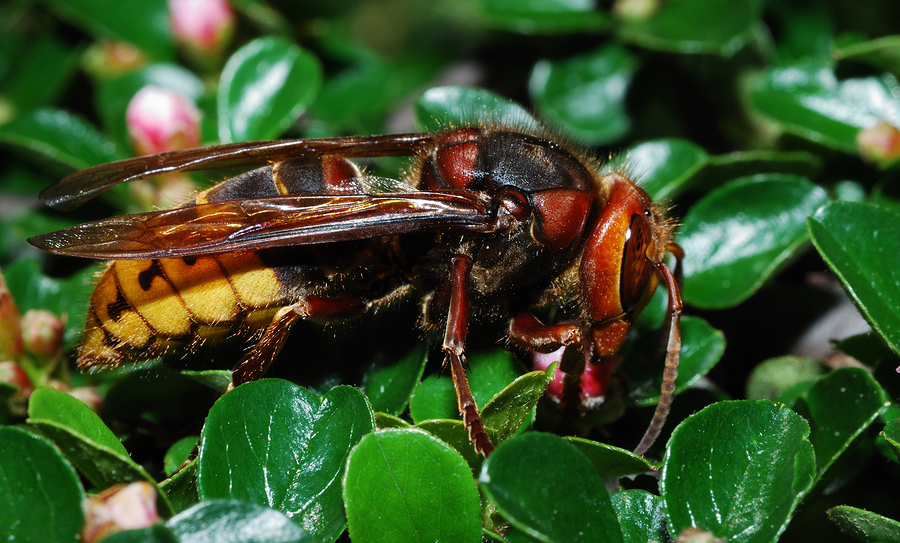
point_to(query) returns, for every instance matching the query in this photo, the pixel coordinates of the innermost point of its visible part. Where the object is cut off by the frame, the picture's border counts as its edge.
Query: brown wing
(81, 186)
(240, 225)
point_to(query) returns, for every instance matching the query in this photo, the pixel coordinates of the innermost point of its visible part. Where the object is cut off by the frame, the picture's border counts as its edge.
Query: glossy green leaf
(585, 95)
(389, 387)
(809, 101)
(514, 405)
(405, 485)
(455, 434)
(702, 347)
(738, 235)
(235, 521)
(611, 462)
(738, 470)
(721, 169)
(545, 16)
(783, 378)
(891, 434)
(179, 453)
(144, 23)
(530, 479)
(662, 167)
(641, 516)
(274, 443)
(264, 87)
(181, 487)
(114, 94)
(696, 26)
(841, 406)
(40, 491)
(64, 139)
(41, 72)
(70, 297)
(882, 53)
(85, 440)
(442, 107)
(860, 242)
(865, 525)
(490, 372)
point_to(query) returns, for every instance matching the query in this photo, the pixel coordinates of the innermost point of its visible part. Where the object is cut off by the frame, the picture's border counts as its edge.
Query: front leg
(453, 347)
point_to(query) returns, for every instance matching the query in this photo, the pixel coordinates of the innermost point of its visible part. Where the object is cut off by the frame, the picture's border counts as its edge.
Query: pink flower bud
(162, 120)
(592, 383)
(879, 143)
(42, 333)
(119, 508)
(10, 328)
(203, 26)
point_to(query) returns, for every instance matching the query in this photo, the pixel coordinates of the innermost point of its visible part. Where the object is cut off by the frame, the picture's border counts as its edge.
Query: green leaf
(860, 243)
(404, 485)
(738, 470)
(264, 87)
(179, 453)
(883, 53)
(67, 297)
(61, 137)
(455, 434)
(808, 100)
(585, 95)
(662, 167)
(235, 521)
(514, 405)
(841, 406)
(87, 443)
(783, 378)
(181, 488)
(723, 168)
(696, 26)
(738, 235)
(157, 533)
(40, 73)
(274, 443)
(490, 372)
(40, 491)
(442, 107)
(865, 525)
(611, 462)
(891, 434)
(702, 347)
(389, 387)
(641, 516)
(144, 23)
(545, 16)
(549, 490)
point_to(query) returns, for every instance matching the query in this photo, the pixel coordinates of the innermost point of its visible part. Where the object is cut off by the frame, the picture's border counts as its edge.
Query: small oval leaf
(738, 235)
(405, 485)
(265, 86)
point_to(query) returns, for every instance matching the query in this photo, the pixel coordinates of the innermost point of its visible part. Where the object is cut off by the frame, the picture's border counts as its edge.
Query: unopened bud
(162, 120)
(89, 397)
(879, 143)
(111, 58)
(119, 508)
(204, 27)
(636, 10)
(592, 384)
(42, 333)
(10, 327)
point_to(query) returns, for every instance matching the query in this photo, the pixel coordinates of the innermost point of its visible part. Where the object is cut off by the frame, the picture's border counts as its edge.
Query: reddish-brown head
(627, 242)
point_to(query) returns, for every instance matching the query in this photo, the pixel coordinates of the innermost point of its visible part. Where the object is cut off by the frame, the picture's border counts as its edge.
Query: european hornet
(487, 221)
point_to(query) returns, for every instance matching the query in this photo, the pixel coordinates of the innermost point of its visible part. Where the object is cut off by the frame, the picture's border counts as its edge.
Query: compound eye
(637, 270)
